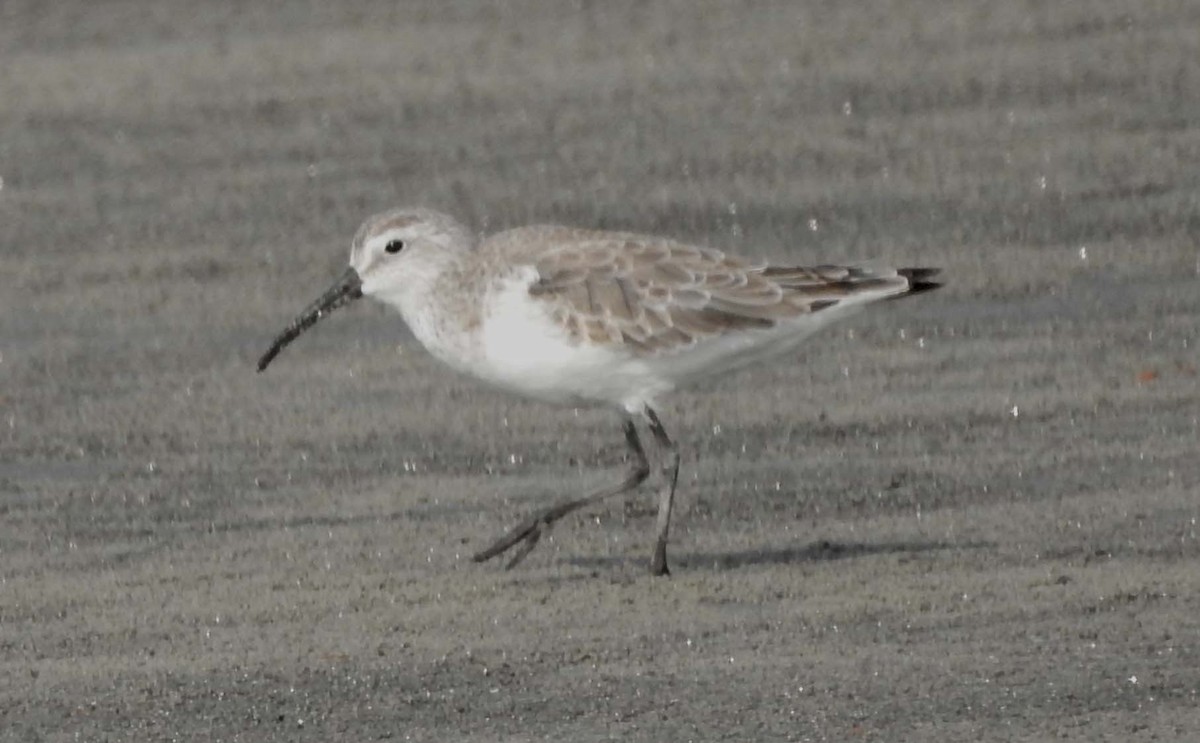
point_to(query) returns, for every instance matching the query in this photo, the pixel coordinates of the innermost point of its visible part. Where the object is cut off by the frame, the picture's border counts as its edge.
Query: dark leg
(666, 496)
(531, 529)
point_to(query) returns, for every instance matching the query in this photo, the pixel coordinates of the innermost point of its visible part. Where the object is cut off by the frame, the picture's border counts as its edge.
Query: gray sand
(966, 516)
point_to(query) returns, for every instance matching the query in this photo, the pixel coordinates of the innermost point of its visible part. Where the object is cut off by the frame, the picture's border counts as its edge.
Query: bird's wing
(653, 295)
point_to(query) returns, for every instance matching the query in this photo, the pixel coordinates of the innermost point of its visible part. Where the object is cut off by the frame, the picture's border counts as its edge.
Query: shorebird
(591, 318)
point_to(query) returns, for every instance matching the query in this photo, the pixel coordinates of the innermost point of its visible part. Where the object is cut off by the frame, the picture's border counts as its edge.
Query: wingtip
(919, 279)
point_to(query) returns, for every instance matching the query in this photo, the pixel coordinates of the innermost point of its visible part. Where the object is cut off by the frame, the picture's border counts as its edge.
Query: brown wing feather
(656, 295)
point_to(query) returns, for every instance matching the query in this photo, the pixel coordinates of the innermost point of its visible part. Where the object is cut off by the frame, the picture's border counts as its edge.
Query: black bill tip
(346, 289)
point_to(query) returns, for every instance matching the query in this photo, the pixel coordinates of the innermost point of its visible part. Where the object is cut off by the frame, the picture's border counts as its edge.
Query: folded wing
(655, 296)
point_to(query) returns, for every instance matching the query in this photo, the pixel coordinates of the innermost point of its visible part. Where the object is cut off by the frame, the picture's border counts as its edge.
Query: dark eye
(395, 246)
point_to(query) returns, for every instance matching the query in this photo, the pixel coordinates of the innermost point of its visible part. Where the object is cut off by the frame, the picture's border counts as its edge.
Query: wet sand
(970, 515)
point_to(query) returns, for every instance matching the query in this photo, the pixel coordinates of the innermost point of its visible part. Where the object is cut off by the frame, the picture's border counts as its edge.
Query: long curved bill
(346, 289)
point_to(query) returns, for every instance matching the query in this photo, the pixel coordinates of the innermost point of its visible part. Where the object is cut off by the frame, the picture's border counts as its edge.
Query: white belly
(526, 351)
(519, 347)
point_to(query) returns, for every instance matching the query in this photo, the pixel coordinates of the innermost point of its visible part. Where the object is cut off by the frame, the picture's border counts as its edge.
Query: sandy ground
(966, 516)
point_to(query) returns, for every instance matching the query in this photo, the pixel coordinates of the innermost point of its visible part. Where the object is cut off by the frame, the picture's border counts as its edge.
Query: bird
(592, 318)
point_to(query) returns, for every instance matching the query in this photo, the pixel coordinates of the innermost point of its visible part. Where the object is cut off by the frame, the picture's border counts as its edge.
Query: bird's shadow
(821, 551)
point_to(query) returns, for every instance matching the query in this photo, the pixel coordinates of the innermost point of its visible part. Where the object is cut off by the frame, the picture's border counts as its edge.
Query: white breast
(526, 351)
(518, 346)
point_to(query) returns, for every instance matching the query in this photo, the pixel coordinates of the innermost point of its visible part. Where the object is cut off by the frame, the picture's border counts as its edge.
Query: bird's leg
(530, 530)
(666, 496)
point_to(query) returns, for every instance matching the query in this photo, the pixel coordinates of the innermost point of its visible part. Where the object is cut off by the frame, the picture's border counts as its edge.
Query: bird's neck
(439, 307)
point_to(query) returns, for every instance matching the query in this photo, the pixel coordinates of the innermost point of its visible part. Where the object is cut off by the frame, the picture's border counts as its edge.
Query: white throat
(429, 296)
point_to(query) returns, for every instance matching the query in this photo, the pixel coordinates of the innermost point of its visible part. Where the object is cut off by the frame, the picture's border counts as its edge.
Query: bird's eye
(395, 246)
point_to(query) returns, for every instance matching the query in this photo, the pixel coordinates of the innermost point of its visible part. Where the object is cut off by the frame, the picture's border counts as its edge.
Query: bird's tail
(918, 280)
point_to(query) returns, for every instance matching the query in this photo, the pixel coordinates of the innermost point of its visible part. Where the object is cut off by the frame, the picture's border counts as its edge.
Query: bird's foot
(528, 531)
(658, 563)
